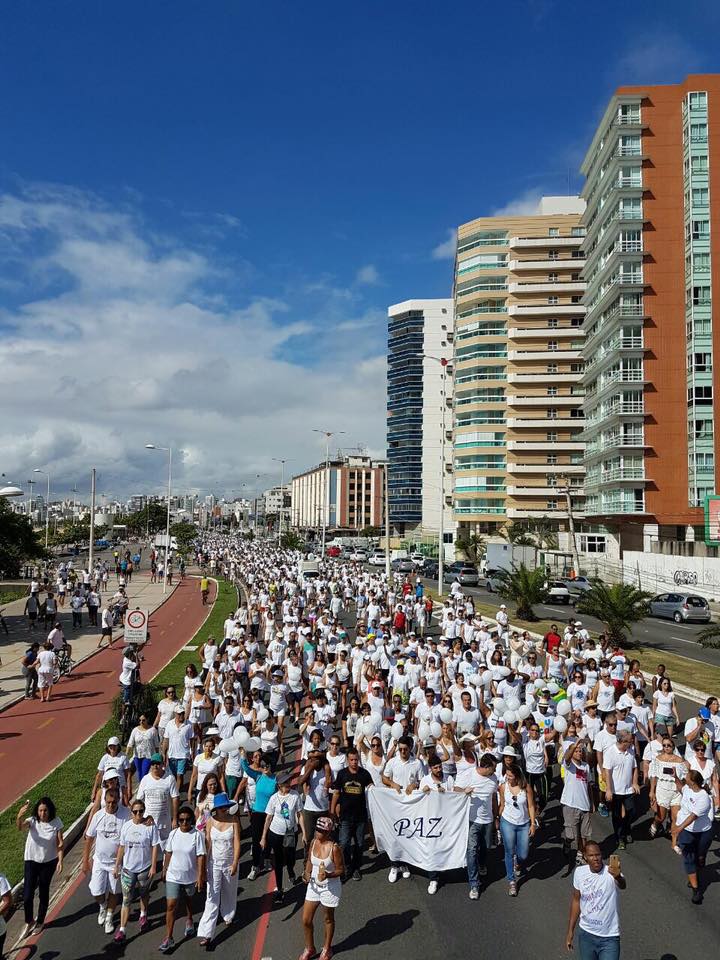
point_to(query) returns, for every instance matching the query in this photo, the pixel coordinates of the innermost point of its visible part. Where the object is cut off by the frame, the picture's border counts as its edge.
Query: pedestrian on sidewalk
(93, 604)
(106, 626)
(50, 609)
(43, 857)
(77, 602)
(29, 669)
(32, 609)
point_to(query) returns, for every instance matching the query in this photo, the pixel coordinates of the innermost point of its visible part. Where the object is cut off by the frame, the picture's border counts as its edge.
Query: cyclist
(181, 567)
(204, 588)
(60, 645)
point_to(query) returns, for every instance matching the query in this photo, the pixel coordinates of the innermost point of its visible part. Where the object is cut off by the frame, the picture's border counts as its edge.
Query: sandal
(307, 954)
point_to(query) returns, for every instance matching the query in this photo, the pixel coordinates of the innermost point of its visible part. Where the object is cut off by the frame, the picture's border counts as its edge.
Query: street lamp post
(326, 485)
(565, 489)
(282, 461)
(47, 505)
(168, 450)
(441, 532)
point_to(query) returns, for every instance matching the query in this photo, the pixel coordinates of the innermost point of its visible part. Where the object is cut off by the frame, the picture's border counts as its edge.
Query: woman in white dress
(324, 869)
(222, 840)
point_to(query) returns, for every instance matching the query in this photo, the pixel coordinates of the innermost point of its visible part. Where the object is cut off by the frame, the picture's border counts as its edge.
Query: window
(576, 321)
(552, 458)
(552, 322)
(552, 278)
(700, 395)
(698, 100)
(701, 296)
(700, 196)
(553, 255)
(698, 133)
(553, 300)
(577, 232)
(551, 413)
(700, 229)
(592, 543)
(553, 232)
(552, 345)
(699, 163)
(552, 391)
(702, 362)
(551, 505)
(576, 298)
(551, 436)
(552, 368)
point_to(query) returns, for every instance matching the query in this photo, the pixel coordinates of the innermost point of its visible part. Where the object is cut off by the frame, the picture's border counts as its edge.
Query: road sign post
(136, 626)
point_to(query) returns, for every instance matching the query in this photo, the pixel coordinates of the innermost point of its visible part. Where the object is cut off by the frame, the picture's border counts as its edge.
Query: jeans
(31, 683)
(479, 841)
(37, 877)
(592, 947)
(694, 848)
(516, 843)
(282, 856)
(622, 822)
(142, 766)
(352, 851)
(76, 618)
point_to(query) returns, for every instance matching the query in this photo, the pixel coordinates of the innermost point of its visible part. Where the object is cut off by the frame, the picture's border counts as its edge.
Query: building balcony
(557, 468)
(534, 355)
(533, 379)
(599, 447)
(543, 309)
(608, 508)
(546, 286)
(543, 491)
(520, 447)
(570, 263)
(552, 243)
(517, 513)
(552, 333)
(518, 400)
(525, 423)
(618, 475)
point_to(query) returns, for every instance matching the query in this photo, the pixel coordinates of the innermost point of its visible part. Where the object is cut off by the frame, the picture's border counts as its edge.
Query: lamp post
(282, 461)
(441, 532)
(326, 485)
(168, 450)
(31, 484)
(565, 489)
(47, 505)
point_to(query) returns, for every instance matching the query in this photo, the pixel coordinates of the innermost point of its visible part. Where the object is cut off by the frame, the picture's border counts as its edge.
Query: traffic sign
(136, 626)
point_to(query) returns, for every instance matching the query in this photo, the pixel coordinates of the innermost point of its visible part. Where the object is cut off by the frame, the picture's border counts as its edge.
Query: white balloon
(513, 703)
(397, 731)
(499, 706)
(240, 736)
(262, 715)
(524, 712)
(252, 744)
(560, 724)
(553, 687)
(423, 730)
(538, 684)
(564, 708)
(446, 715)
(373, 724)
(487, 677)
(227, 746)
(435, 729)
(510, 717)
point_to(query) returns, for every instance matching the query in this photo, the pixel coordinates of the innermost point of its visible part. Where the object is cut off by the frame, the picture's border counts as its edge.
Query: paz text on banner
(427, 830)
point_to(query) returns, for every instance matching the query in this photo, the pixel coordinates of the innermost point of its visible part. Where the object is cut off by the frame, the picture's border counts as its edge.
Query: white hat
(111, 775)
(509, 751)
(179, 708)
(503, 607)
(358, 642)
(113, 742)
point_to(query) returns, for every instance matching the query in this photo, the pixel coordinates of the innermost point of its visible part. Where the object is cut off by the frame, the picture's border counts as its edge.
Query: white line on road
(683, 639)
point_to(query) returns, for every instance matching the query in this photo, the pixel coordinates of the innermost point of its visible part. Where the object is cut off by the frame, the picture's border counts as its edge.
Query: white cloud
(662, 57)
(524, 205)
(446, 249)
(117, 337)
(368, 276)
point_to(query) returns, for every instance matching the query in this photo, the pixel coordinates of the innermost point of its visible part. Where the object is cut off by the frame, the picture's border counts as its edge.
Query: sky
(207, 207)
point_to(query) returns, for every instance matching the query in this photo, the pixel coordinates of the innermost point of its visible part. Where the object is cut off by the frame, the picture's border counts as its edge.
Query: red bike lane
(35, 737)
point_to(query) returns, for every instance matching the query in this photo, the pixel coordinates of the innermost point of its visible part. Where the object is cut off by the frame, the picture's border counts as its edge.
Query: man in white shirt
(104, 829)
(594, 905)
(480, 783)
(402, 773)
(620, 774)
(158, 789)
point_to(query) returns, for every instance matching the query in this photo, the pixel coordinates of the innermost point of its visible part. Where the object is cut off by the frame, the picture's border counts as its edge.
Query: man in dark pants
(348, 804)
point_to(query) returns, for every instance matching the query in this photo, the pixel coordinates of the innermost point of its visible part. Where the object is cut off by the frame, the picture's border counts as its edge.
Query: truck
(505, 556)
(308, 570)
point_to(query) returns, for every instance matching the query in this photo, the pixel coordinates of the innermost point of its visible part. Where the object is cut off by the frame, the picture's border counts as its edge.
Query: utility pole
(441, 525)
(387, 522)
(326, 480)
(282, 461)
(92, 520)
(565, 488)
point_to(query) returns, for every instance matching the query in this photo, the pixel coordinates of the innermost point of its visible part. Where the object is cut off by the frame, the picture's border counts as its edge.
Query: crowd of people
(326, 684)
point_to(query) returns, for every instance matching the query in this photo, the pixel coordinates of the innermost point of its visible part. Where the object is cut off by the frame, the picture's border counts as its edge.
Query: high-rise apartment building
(652, 259)
(418, 409)
(518, 366)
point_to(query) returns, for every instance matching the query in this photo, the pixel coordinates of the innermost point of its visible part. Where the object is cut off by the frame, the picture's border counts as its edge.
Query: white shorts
(45, 679)
(102, 880)
(667, 794)
(327, 893)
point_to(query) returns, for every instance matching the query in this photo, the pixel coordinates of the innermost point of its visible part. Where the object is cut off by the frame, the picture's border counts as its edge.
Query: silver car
(680, 607)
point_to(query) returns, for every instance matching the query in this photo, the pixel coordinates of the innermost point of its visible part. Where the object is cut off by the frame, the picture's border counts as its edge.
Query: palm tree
(709, 638)
(518, 534)
(472, 545)
(618, 605)
(545, 533)
(290, 540)
(524, 587)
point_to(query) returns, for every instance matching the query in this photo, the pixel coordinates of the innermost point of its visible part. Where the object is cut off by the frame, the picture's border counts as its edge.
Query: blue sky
(193, 167)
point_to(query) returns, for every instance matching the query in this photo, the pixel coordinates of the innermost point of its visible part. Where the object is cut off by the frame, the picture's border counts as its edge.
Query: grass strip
(684, 670)
(8, 594)
(69, 783)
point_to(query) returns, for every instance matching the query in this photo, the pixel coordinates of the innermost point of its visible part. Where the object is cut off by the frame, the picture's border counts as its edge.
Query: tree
(152, 517)
(525, 587)
(472, 545)
(18, 541)
(517, 534)
(544, 532)
(290, 540)
(370, 532)
(618, 605)
(185, 534)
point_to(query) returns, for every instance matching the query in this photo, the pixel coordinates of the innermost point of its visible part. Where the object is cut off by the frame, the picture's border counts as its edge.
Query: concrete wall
(659, 573)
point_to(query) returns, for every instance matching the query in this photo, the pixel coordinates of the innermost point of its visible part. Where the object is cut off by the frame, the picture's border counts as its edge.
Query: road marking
(46, 723)
(683, 639)
(190, 647)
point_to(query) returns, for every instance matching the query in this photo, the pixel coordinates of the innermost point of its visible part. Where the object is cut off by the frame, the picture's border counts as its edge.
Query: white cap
(503, 607)
(113, 742)
(111, 775)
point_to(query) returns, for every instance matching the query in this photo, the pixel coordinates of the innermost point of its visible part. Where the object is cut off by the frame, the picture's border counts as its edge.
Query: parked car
(333, 551)
(577, 584)
(359, 556)
(557, 592)
(430, 570)
(680, 607)
(465, 574)
(377, 559)
(418, 559)
(493, 581)
(403, 566)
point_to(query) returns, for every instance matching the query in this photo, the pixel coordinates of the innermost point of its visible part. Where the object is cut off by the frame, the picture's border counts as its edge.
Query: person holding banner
(437, 780)
(402, 773)
(324, 868)
(517, 823)
(481, 785)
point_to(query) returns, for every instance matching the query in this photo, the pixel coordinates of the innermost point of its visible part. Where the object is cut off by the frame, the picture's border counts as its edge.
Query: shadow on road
(378, 930)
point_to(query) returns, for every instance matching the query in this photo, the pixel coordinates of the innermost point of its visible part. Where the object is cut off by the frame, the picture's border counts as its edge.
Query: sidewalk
(141, 593)
(35, 737)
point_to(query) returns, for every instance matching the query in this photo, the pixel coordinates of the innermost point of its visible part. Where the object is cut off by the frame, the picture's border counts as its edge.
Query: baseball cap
(156, 758)
(179, 709)
(704, 713)
(111, 775)
(114, 742)
(503, 607)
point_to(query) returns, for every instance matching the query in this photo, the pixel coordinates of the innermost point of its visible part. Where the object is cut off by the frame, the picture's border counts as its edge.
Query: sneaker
(120, 936)
(278, 897)
(629, 838)
(512, 889)
(166, 946)
(432, 887)
(109, 923)
(406, 873)
(253, 873)
(621, 844)
(474, 893)
(102, 912)
(517, 869)
(603, 810)
(696, 897)
(144, 922)
(653, 830)
(393, 874)
(357, 875)
(189, 929)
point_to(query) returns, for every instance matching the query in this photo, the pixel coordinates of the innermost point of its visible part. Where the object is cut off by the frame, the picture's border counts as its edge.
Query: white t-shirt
(484, 789)
(205, 765)
(284, 808)
(158, 793)
(663, 702)
(105, 828)
(575, 786)
(690, 727)
(700, 803)
(4, 889)
(534, 751)
(137, 841)
(621, 765)
(317, 799)
(403, 772)
(598, 902)
(185, 849)
(179, 739)
(41, 840)
(447, 783)
(128, 669)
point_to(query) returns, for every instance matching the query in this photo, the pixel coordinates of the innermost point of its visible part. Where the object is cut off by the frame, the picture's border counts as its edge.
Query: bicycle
(130, 714)
(64, 664)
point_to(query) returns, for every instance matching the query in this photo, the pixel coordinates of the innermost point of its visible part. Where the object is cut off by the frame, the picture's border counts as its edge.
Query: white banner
(427, 830)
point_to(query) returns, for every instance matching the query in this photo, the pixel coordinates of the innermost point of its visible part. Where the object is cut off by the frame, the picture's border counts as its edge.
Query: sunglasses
(139, 810)
(184, 819)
